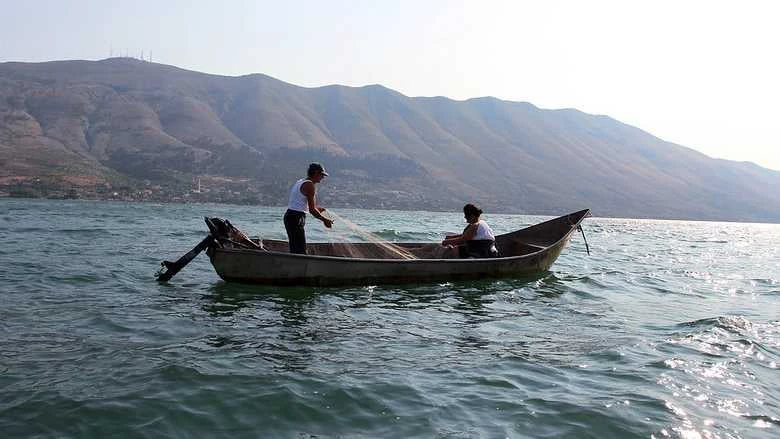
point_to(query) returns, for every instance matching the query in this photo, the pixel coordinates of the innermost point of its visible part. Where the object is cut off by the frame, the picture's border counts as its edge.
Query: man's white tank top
(484, 232)
(298, 201)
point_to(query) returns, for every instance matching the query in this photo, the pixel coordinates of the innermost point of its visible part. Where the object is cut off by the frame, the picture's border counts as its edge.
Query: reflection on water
(715, 364)
(225, 298)
(470, 321)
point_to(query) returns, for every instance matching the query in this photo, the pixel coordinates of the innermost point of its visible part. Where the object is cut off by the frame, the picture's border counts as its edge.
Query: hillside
(127, 128)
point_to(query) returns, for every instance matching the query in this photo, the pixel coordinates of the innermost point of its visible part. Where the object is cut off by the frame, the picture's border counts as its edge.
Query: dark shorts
(478, 248)
(294, 222)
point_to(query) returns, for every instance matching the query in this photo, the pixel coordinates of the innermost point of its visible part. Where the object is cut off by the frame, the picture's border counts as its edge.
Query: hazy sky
(704, 74)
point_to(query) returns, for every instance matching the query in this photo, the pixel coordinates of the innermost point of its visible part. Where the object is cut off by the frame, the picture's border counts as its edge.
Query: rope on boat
(579, 227)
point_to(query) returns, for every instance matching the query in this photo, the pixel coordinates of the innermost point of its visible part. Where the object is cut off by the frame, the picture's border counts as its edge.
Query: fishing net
(373, 247)
(341, 242)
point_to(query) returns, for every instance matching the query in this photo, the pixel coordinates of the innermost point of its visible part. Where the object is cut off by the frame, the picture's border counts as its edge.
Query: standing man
(302, 200)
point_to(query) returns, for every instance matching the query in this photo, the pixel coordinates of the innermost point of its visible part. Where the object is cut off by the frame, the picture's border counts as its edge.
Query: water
(668, 329)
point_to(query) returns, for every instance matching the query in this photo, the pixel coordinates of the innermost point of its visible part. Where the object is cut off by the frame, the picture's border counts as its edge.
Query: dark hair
(315, 168)
(472, 210)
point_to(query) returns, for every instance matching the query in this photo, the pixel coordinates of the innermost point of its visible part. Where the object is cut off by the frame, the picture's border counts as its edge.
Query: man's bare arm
(307, 189)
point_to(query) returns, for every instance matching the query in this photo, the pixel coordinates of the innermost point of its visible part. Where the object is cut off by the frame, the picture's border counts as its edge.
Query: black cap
(315, 168)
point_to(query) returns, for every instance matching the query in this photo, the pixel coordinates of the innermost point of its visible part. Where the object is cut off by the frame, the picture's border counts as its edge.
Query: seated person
(477, 239)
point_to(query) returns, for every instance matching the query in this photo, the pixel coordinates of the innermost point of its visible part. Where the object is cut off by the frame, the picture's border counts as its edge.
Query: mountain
(122, 127)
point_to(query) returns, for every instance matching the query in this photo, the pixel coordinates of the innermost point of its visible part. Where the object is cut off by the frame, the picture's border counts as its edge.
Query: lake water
(667, 329)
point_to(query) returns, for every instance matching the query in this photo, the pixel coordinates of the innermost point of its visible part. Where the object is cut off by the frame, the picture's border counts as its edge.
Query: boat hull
(280, 268)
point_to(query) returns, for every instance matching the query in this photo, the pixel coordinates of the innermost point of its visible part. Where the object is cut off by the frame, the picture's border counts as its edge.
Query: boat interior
(518, 243)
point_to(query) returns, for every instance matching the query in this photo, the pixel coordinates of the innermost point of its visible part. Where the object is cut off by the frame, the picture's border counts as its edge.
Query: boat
(237, 258)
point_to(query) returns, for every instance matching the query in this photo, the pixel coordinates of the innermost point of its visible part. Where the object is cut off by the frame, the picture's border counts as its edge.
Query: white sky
(704, 74)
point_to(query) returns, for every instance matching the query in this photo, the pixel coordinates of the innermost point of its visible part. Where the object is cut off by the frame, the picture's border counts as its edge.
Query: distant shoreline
(380, 209)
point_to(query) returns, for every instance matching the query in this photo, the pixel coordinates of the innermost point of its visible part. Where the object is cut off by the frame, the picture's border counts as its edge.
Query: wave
(734, 324)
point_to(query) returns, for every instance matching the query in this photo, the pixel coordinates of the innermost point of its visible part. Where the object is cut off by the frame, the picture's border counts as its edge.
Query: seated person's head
(471, 212)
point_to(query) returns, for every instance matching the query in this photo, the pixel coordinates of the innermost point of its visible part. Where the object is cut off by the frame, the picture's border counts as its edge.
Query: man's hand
(328, 222)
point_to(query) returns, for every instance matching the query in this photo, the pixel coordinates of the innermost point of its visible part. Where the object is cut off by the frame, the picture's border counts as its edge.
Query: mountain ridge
(126, 125)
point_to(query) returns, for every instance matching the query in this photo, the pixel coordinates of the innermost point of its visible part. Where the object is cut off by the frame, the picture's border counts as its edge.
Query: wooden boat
(523, 252)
